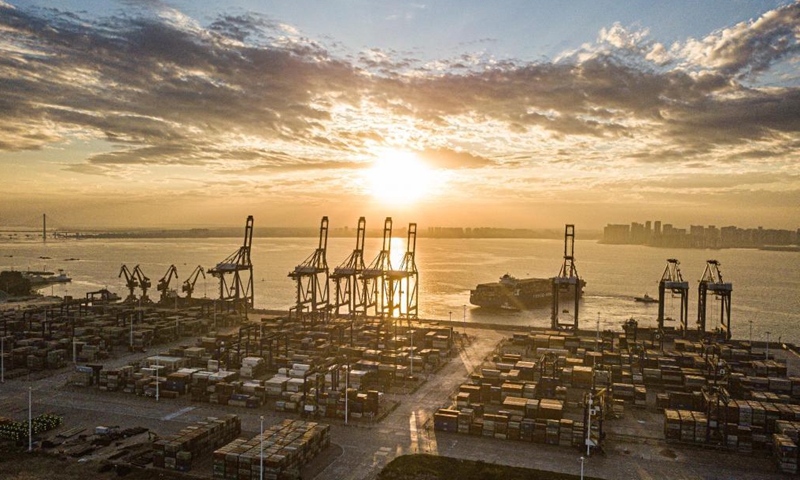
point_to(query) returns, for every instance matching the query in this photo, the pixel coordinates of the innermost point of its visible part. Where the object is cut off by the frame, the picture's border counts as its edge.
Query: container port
(350, 377)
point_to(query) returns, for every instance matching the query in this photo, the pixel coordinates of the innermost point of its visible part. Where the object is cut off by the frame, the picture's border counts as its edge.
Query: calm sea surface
(766, 285)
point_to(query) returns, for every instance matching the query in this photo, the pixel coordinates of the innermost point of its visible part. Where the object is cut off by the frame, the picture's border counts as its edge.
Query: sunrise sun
(399, 178)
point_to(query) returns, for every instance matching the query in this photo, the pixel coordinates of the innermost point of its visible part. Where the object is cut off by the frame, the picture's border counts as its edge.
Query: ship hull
(518, 294)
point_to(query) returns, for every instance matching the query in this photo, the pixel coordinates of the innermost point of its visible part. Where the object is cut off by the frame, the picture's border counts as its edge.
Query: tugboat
(646, 299)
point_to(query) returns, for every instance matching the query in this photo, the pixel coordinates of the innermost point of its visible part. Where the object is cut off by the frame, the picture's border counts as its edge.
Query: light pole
(464, 321)
(766, 352)
(157, 377)
(582, 459)
(751, 333)
(589, 427)
(346, 388)
(30, 419)
(261, 459)
(597, 340)
(132, 316)
(411, 334)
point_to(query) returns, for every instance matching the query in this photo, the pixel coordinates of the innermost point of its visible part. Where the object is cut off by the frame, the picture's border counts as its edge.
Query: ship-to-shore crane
(711, 281)
(374, 278)
(237, 292)
(348, 296)
(672, 280)
(567, 281)
(403, 282)
(311, 278)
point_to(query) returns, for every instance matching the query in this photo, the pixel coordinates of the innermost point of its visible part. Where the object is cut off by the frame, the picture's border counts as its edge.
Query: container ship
(517, 294)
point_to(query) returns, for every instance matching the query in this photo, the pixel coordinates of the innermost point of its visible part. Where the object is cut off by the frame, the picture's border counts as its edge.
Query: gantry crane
(347, 291)
(188, 284)
(130, 283)
(163, 284)
(311, 278)
(403, 282)
(566, 283)
(672, 280)
(711, 280)
(374, 281)
(144, 283)
(238, 292)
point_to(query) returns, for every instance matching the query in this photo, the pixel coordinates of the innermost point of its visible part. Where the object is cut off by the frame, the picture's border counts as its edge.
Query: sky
(526, 114)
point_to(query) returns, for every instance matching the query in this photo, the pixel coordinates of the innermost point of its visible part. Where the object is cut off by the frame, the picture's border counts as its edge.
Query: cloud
(748, 47)
(454, 159)
(247, 93)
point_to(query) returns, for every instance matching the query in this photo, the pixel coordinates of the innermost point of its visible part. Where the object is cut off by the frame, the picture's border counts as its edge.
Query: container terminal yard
(350, 378)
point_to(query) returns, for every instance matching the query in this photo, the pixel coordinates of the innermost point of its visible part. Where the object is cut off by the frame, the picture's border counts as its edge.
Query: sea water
(766, 284)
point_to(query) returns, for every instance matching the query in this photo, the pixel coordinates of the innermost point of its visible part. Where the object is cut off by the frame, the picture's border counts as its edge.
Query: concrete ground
(359, 452)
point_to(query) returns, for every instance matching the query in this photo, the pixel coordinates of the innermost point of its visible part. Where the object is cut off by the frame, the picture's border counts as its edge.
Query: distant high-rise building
(616, 234)
(657, 228)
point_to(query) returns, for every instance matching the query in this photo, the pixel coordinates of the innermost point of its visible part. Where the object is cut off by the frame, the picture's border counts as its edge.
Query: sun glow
(399, 178)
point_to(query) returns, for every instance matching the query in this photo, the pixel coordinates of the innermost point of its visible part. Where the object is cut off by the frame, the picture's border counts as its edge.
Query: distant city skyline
(527, 114)
(660, 234)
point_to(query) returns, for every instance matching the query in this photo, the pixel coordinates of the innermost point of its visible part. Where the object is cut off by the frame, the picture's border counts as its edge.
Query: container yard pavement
(406, 430)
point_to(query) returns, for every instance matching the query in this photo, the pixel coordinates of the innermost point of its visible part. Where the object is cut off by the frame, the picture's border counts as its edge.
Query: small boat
(38, 278)
(60, 278)
(646, 299)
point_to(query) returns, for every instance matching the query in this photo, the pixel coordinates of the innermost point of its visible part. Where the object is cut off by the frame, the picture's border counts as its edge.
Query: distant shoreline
(279, 232)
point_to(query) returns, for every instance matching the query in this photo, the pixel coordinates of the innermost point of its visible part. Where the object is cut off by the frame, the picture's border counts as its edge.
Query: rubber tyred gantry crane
(237, 292)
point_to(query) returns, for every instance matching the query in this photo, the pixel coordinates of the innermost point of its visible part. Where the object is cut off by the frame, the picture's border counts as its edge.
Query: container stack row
(285, 447)
(178, 451)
